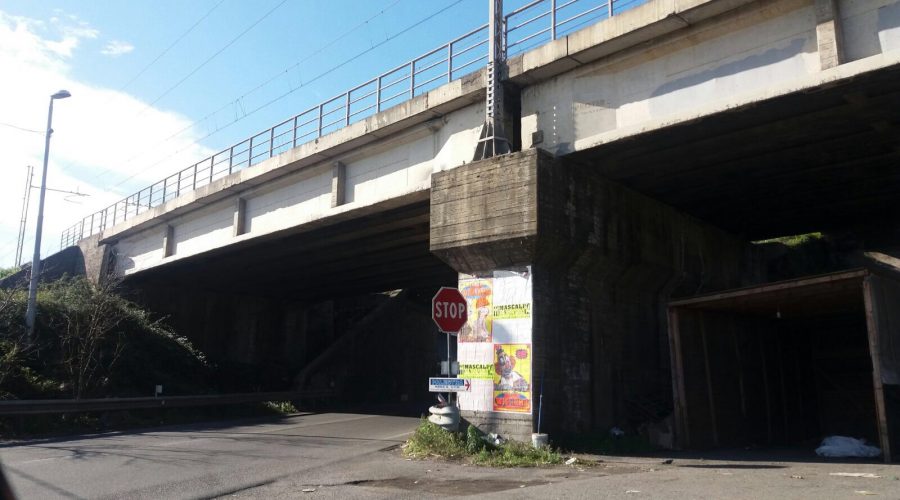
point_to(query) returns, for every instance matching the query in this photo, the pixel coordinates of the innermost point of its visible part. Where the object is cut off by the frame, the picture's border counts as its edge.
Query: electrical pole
(26, 197)
(492, 140)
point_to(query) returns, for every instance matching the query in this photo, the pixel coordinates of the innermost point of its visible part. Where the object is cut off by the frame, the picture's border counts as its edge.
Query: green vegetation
(90, 342)
(430, 440)
(281, 407)
(8, 271)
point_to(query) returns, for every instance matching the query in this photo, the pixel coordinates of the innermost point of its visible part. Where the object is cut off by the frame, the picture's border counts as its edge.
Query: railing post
(378, 96)
(165, 188)
(449, 62)
(178, 187)
(92, 222)
(294, 139)
(249, 155)
(347, 117)
(412, 78)
(319, 134)
(193, 181)
(553, 19)
(150, 197)
(271, 142)
(609, 3)
(115, 212)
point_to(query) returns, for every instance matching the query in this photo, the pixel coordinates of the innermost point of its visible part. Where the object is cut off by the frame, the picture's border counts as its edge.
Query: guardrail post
(378, 96)
(319, 134)
(609, 3)
(115, 210)
(412, 78)
(249, 155)
(553, 19)
(271, 142)
(294, 139)
(449, 62)
(347, 114)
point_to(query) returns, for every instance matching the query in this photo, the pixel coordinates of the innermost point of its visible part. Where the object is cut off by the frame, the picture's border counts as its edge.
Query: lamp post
(36, 260)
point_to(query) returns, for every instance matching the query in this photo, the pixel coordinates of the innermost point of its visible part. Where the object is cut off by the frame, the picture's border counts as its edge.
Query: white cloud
(116, 48)
(96, 131)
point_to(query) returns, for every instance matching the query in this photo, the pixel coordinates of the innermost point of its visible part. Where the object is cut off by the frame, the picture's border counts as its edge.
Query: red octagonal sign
(449, 310)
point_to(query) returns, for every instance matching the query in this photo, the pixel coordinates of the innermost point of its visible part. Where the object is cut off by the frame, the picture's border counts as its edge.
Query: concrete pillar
(828, 33)
(582, 268)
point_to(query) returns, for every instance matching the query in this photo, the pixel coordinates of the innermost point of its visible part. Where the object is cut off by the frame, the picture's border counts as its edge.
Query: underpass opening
(784, 364)
(343, 308)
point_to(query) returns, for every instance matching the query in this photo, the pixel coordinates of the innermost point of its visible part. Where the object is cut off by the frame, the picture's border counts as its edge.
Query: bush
(91, 342)
(430, 440)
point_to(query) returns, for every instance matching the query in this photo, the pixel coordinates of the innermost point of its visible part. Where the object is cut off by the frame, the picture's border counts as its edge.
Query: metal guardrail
(47, 406)
(529, 26)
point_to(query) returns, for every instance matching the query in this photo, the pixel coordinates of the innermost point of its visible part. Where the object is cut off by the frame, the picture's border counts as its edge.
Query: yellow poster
(512, 378)
(512, 311)
(476, 371)
(479, 295)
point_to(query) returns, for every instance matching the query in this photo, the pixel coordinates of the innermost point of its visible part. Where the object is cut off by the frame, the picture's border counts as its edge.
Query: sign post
(450, 312)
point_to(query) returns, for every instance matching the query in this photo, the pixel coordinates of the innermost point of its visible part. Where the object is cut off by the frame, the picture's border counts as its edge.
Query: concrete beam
(828, 34)
(240, 216)
(169, 241)
(338, 183)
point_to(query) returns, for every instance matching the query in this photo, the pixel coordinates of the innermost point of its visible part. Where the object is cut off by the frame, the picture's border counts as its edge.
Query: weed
(429, 440)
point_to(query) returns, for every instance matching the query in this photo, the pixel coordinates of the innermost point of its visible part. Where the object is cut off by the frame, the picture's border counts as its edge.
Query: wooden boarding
(799, 296)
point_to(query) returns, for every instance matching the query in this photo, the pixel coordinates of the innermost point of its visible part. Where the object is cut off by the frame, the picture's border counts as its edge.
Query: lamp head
(62, 94)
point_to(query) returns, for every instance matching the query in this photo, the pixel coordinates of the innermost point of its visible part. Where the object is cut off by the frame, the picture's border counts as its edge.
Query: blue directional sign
(437, 384)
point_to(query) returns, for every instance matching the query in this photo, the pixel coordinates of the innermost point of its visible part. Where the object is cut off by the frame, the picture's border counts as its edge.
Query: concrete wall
(749, 53)
(379, 172)
(605, 262)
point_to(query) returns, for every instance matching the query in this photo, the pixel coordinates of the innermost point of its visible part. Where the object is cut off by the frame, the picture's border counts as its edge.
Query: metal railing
(542, 21)
(47, 406)
(533, 24)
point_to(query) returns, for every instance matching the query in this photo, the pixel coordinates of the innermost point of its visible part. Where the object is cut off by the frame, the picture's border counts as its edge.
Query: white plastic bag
(843, 446)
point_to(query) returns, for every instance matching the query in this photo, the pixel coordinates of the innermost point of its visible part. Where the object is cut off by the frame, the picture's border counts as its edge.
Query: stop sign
(449, 310)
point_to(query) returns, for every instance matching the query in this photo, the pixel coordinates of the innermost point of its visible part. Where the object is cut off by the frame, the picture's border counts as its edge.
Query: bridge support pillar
(568, 276)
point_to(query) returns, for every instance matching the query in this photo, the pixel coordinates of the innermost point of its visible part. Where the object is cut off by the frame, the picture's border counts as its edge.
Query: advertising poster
(512, 378)
(494, 348)
(476, 371)
(479, 295)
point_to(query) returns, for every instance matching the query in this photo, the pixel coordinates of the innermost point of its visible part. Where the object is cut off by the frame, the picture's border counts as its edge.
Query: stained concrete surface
(357, 456)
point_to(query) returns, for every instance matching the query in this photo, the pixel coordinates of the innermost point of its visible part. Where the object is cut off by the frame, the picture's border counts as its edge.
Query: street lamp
(36, 260)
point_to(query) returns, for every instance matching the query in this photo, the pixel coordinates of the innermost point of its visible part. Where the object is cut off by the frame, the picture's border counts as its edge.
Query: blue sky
(130, 122)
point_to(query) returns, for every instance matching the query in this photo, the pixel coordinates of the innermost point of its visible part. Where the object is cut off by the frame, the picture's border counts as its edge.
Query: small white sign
(436, 384)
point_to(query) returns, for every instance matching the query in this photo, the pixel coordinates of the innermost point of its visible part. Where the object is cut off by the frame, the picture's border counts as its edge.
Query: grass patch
(430, 440)
(281, 407)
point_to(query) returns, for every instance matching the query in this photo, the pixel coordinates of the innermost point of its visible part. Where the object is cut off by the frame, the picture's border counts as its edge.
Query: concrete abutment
(580, 270)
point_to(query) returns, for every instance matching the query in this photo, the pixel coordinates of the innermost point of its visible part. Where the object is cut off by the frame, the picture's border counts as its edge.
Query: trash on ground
(864, 492)
(796, 476)
(309, 490)
(493, 438)
(632, 491)
(667, 461)
(571, 461)
(868, 475)
(843, 446)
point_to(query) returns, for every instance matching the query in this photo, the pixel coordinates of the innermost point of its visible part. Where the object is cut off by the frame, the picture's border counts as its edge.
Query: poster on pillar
(512, 378)
(478, 293)
(500, 316)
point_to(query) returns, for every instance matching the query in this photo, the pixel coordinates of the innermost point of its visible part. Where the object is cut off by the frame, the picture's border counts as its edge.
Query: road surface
(195, 461)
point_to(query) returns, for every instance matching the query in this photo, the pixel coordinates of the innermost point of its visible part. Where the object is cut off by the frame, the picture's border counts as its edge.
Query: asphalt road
(196, 461)
(348, 456)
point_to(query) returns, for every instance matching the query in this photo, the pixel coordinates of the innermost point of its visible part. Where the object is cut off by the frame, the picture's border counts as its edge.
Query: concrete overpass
(652, 147)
